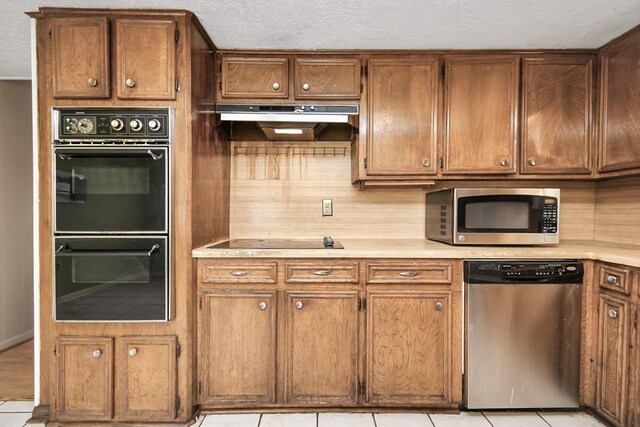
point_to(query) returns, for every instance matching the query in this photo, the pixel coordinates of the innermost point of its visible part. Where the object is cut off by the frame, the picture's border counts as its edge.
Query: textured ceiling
(363, 24)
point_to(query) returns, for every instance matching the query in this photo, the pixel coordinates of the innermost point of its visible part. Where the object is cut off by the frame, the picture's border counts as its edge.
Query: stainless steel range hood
(289, 122)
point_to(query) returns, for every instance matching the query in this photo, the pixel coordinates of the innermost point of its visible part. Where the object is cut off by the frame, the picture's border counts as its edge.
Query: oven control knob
(461, 238)
(154, 125)
(117, 124)
(135, 125)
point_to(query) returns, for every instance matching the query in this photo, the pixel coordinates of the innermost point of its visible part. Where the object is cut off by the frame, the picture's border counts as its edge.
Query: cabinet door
(557, 115)
(620, 108)
(145, 59)
(409, 348)
(321, 346)
(480, 130)
(402, 116)
(237, 351)
(613, 364)
(80, 57)
(146, 379)
(85, 378)
(337, 78)
(251, 77)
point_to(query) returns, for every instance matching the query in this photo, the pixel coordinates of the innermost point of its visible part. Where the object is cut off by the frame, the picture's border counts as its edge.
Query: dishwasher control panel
(524, 271)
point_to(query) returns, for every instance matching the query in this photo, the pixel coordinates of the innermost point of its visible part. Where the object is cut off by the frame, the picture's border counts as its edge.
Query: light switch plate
(327, 207)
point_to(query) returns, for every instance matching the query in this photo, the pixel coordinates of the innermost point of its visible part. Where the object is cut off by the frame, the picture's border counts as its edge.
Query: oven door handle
(66, 250)
(94, 154)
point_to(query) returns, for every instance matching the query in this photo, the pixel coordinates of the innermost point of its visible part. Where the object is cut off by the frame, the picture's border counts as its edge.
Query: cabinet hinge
(200, 303)
(177, 85)
(366, 71)
(49, 34)
(440, 163)
(178, 350)
(361, 87)
(365, 162)
(199, 387)
(362, 304)
(442, 71)
(362, 388)
(55, 351)
(177, 402)
(635, 321)
(177, 35)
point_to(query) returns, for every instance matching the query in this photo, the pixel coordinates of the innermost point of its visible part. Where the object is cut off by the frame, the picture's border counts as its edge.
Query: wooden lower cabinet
(321, 346)
(409, 348)
(237, 351)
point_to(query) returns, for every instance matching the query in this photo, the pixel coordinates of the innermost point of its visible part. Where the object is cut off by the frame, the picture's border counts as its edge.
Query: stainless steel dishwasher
(522, 333)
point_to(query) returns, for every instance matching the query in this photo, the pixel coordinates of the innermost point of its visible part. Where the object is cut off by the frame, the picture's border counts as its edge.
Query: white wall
(16, 213)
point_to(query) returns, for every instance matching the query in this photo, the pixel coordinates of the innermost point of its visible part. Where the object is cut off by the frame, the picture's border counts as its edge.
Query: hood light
(289, 131)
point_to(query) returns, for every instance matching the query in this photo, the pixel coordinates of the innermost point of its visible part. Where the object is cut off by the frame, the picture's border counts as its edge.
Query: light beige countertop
(422, 248)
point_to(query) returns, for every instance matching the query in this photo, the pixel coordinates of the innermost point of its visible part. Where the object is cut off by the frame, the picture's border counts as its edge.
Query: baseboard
(18, 339)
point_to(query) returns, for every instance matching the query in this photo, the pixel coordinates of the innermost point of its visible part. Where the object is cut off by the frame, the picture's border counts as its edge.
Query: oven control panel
(115, 124)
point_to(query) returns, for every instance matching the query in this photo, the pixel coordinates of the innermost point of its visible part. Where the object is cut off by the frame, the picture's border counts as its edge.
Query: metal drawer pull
(262, 305)
(93, 82)
(240, 273)
(533, 162)
(612, 279)
(322, 272)
(133, 352)
(612, 313)
(97, 353)
(426, 163)
(504, 162)
(299, 305)
(306, 86)
(408, 273)
(275, 86)
(438, 305)
(130, 82)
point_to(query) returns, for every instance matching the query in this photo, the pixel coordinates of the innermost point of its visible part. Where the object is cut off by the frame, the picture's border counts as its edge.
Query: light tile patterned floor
(16, 414)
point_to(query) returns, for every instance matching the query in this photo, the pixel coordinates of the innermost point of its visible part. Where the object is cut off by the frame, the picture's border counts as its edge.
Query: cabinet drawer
(250, 77)
(337, 78)
(237, 272)
(409, 273)
(321, 272)
(615, 278)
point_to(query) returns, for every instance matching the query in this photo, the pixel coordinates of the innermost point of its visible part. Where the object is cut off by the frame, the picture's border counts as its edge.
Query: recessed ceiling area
(370, 24)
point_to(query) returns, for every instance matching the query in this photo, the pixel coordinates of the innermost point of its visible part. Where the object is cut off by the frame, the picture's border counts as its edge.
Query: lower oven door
(111, 279)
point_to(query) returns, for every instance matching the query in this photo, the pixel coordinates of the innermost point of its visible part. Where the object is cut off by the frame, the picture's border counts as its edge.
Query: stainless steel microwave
(494, 216)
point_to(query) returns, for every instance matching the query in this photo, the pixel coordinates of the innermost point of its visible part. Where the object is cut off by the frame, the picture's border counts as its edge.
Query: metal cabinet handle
(322, 272)
(275, 86)
(93, 82)
(426, 163)
(438, 305)
(96, 353)
(306, 86)
(130, 82)
(612, 279)
(299, 305)
(504, 162)
(240, 273)
(533, 162)
(262, 305)
(133, 352)
(408, 273)
(612, 313)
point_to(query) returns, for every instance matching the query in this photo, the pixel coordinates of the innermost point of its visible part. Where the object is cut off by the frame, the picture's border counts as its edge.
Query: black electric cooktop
(325, 243)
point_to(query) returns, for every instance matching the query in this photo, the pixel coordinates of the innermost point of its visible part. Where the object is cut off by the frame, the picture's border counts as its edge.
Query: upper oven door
(111, 190)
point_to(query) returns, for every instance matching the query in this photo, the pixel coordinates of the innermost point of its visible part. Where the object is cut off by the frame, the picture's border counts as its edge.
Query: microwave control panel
(550, 216)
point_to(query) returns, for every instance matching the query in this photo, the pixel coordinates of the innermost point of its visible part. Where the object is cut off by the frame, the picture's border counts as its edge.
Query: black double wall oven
(111, 216)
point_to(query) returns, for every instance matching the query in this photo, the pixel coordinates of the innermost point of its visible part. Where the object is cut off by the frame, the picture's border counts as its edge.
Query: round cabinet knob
(426, 163)
(262, 305)
(438, 305)
(135, 125)
(612, 313)
(275, 86)
(612, 279)
(117, 124)
(305, 86)
(504, 162)
(93, 82)
(96, 353)
(130, 82)
(533, 162)
(154, 125)
(133, 352)
(299, 305)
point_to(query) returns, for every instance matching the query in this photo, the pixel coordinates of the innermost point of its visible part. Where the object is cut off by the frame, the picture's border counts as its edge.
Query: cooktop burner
(325, 243)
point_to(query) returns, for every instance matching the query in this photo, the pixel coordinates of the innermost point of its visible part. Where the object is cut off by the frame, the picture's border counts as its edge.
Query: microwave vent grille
(443, 220)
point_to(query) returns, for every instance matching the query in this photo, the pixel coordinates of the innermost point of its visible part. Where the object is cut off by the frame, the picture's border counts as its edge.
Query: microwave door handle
(73, 252)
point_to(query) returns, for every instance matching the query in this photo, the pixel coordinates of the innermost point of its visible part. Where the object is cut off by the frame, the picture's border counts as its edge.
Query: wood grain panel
(410, 273)
(237, 272)
(409, 348)
(402, 116)
(616, 213)
(237, 351)
(615, 278)
(321, 272)
(146, 378)
(321, 367)
(255, 77)
(84, 378)
(620, 105)
(146, 54)
(80, 52)
(557, 108)
(481, 114)
(327, 78)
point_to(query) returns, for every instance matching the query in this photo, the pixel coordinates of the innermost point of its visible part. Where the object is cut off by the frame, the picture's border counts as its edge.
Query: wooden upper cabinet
(321, 345)
(327, 78)
(402, 116)
(84, 379)
(255, 77)
(80, 57)
(557, 108)
(146, 380)
(145, 58)
(481, 114)
(620, 105)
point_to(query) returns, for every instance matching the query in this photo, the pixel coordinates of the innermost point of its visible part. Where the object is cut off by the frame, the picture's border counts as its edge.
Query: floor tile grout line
(317, 419)
(433, 423)
(375, 423)
(259, 420)
(487, 418)
(544, 419)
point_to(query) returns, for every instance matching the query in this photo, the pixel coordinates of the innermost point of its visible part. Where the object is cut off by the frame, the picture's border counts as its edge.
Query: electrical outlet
(327, 207)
